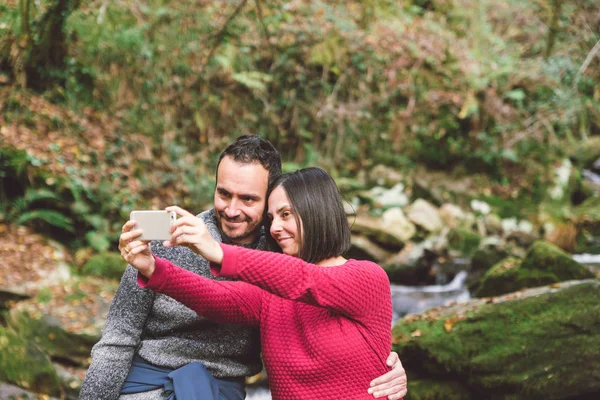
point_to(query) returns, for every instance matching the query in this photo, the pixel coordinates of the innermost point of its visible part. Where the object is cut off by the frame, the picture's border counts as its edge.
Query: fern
(50, 217)
(33, 195)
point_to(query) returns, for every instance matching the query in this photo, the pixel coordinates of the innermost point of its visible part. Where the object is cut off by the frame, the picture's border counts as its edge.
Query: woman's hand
(191, 232)
(136, 252)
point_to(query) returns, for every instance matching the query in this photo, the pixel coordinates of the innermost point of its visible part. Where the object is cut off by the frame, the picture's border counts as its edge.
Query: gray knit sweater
(166, 333)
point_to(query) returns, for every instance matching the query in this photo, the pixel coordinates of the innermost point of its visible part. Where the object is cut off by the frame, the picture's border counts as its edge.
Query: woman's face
(283, 222)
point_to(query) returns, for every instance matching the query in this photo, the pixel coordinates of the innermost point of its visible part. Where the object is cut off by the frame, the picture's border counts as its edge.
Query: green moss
(48, 335)
(23, 364)
(43, 296)
(465, 241)
(107, 265)
(543, 264)
(429, 389)
(533, 347)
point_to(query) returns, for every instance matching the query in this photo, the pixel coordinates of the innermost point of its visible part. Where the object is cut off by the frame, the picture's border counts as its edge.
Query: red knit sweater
(325, 331)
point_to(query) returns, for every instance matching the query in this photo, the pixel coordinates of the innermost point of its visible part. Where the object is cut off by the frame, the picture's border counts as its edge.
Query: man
(156, 329)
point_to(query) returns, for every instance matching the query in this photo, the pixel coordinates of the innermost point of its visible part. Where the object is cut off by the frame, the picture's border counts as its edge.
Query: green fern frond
(33, 195)
(50, 217)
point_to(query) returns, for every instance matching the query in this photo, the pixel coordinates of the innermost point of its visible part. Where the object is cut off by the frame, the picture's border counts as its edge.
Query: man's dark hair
(316, 201)
(252, 148)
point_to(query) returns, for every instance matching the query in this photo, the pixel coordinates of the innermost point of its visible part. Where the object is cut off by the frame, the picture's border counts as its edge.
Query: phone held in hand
(155, 224)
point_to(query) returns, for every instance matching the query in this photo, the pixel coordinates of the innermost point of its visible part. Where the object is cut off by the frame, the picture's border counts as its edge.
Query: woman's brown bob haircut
(316, 201)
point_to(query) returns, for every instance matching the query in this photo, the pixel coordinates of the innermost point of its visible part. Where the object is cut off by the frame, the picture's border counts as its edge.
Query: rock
(30, 262)
(480, 207)
(378, 230)
(363, 249)
(510, 225)
(493, 224)
(587, 152)
(489, 253)
(543, 264)
(587, 215)
(71, 379)
(386, 198)
(452, 216)
(23, 364)
(425, 215)
(430, 389)
(8, 391)
(563, 174)
(412, 266)
(463, 241)
(541, 343)
(423, 189)
(65, 320)
(105, 265)
(396, 223)
(385, 176)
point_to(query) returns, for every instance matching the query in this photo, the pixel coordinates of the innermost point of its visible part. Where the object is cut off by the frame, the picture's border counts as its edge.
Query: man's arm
(113, 354)
(391, 384)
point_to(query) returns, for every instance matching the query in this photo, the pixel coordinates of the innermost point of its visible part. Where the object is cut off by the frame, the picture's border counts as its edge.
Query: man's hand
(136, 252)
(393, 383)
(191, 232)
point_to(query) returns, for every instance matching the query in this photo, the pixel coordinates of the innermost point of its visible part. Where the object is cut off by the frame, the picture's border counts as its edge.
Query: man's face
(240, 199)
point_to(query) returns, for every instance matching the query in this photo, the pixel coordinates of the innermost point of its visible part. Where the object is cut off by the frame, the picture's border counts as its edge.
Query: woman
(324, 321)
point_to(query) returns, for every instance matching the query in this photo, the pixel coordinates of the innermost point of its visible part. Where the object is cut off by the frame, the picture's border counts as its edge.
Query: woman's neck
(332, 262)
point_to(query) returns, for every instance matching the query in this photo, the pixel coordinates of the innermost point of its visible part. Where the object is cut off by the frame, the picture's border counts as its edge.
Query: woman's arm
(356, 288)
(353, 289)
(220, 301)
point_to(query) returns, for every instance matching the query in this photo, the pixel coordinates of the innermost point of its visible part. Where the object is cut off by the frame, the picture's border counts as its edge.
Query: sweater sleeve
(113, 354)
(220, 301)
(351, 289)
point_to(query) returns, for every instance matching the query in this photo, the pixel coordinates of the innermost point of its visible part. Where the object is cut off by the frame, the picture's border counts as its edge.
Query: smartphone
(155, 224)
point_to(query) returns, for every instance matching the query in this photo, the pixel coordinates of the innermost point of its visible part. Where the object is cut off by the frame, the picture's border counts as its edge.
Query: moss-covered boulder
(105, 265)
(543, 264)
(490, 252)
(463, 241)
(29, 262)
(65, 320)
(23, 364)
(542, 343)
(429, 389)
(587, 216)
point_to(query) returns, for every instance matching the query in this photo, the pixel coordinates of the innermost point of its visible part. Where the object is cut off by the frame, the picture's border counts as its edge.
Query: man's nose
(232, 210)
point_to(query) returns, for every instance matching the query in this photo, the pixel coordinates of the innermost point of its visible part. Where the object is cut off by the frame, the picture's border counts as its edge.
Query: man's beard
(250, 231)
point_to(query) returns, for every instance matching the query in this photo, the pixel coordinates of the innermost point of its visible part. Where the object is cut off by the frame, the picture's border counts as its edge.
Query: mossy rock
(542, 343)
(587, 152)
(65, 320)
(25, 365)
(484, 258)
(587, 215)
(464, 241)
(543, 264)
(430, 389)
(106, 265)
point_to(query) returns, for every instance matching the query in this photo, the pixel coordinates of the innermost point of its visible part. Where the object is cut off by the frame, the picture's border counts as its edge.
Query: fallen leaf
(416, 333)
